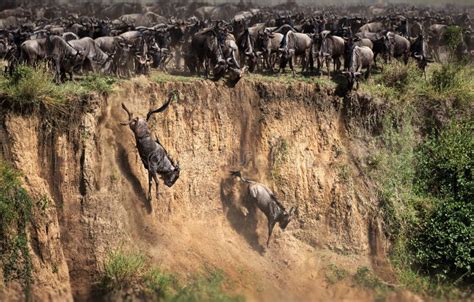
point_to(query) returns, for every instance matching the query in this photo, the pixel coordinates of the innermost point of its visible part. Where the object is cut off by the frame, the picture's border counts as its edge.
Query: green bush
(32, 86)
(445, 78)
(445, 163)
(366, 278)
(15, 216)
(335, 274)
(453, 37)
(123, 270)
(209, 288)
(444, 242)
(159, 284)
(127, 273)
(399, 75)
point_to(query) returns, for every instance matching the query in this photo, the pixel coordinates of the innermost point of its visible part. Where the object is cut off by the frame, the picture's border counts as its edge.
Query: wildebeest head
(352, 78)
(171, 177)
(286, 217)
(3, 48)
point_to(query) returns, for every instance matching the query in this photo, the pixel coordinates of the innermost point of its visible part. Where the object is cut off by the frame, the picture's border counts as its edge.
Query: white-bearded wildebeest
(268, 203)
(362, 57)
(154, 157)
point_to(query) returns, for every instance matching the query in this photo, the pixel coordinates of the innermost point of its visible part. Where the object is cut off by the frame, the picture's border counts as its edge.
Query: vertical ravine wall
(297, 138)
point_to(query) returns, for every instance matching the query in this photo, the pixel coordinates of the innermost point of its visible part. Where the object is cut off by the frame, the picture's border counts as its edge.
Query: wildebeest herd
(226, 40)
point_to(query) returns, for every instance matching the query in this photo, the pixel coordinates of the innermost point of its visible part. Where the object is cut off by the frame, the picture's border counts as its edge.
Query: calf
(154, 157)
(268, 203)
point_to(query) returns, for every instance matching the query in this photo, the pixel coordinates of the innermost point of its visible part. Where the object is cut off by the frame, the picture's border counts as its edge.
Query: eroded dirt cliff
(307, 144)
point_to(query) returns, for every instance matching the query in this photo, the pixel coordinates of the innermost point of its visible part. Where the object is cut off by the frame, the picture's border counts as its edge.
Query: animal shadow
(126, 170)
(233, 204)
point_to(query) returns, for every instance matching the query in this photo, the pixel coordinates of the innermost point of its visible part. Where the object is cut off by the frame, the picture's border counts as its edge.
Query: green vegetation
(398, 84)
(162, 77)
(128, 272)
(445, 164)
(122, 270)
(208, 288)
(367, 279)
(30, 87)
(426, 193)
(335, 274)
(15, 216)
(453, 37)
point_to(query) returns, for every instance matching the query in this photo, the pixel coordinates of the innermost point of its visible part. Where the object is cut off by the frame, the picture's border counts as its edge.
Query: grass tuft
(123, 270)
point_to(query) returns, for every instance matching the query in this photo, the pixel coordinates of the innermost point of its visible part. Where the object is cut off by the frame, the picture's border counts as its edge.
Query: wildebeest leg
(328, 64)
(155, 178)
(291, 66)
(150, 181)
(367, 74)
(337, 64)
(57, 76)
(271, 225)
(303, 63)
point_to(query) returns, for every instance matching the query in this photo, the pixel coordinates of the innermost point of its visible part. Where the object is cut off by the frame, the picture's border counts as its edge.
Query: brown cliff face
(298, 139)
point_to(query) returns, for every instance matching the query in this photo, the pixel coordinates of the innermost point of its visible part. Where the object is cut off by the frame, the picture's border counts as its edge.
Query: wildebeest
(63, 55)
(332, 47)
(372, 27)
(267, 202)
(154, 157)
(270, 44)
(94, 58)
(362, 57)
(294, 45)
(398, 46)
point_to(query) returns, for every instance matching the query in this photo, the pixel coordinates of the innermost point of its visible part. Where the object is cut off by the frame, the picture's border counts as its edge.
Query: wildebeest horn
(130, 115)
(161, 109)
(229, 61)
(292, 210)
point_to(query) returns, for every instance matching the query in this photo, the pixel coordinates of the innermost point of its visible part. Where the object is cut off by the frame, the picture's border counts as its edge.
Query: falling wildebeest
(154, 157)
(268, 203)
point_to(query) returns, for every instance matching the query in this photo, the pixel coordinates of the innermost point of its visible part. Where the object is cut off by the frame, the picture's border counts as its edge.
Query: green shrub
(159, 284)
(335, 274)
(128, 274)
(444, 242)
(395, 174)
(445, 163)
(209, 288)
(445, 78)
(32, 86)
(453, 37)
(366, 278)
(399, 75)
(15, 216)
(123, 270)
